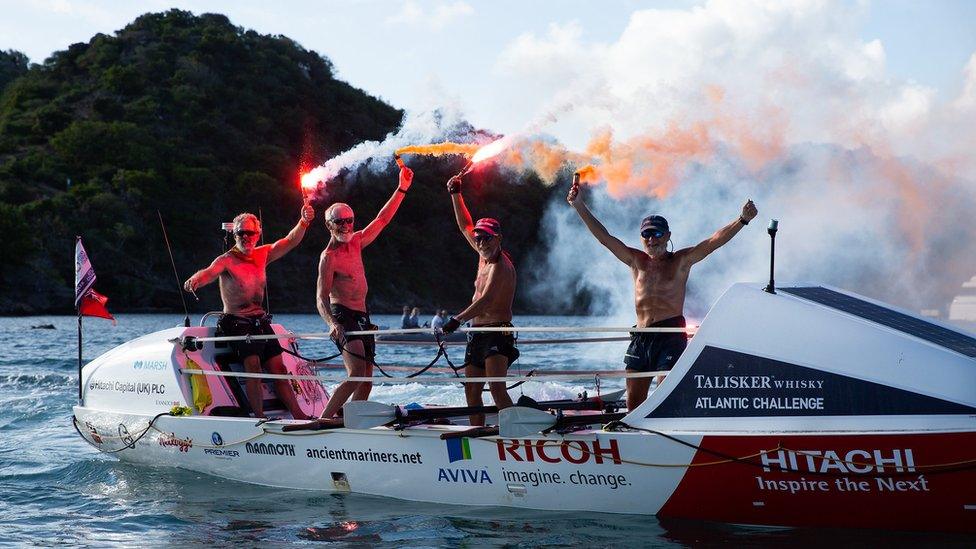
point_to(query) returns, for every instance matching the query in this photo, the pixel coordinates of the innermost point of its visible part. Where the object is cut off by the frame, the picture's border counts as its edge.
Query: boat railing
(690, 330)
(533, 375)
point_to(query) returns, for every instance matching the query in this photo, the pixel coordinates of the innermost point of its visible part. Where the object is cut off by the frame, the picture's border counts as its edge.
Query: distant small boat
(42, 327)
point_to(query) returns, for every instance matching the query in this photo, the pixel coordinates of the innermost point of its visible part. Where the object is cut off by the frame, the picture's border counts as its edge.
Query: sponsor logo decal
(579, 478)
(221, 453)
(726, 383)
(170, 439)
(576, 452)
(96, 438)
(369, 455)
(139, 388)
(852, 462)
(125, 436)
(458, 449)
(150, 365)
(266, 449)
(466, 476)
(217, 439)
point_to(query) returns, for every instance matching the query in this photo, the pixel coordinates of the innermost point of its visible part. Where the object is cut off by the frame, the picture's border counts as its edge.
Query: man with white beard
(660, 281)
(341, 291)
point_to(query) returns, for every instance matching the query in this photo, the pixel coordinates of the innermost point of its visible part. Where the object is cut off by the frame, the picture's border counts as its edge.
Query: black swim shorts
(656, 351)
(233, 325)
(352, 320)
(482, 345)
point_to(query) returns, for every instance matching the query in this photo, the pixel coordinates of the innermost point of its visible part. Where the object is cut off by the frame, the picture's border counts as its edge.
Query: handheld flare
(467, 169)
(399, 161)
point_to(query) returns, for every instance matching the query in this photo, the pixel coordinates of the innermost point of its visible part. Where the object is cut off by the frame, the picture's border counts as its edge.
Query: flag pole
(78, 310)
(80, 402)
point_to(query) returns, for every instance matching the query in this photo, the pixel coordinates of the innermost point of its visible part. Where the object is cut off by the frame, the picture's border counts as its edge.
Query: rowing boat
(810, 406)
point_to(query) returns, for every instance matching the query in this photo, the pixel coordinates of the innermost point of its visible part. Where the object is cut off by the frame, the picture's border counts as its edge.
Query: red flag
(93, 304)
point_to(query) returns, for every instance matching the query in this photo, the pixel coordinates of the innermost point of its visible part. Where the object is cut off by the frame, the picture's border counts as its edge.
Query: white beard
(342, 237)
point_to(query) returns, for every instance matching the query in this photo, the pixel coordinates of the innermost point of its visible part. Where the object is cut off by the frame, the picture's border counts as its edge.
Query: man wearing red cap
(660, 281)
(488, 354)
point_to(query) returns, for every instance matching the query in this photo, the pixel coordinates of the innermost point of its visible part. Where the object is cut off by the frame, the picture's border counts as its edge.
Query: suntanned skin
(241, 272)
(660, 277)
(342, 280)
(494, 291)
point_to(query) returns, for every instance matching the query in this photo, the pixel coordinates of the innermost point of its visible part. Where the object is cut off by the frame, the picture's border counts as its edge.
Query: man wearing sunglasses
(488, 354)
(241, 272)
(341, 291)
(660, 281)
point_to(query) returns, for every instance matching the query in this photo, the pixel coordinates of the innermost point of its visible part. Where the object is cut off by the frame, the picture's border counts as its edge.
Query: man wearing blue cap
(488, 354)
(660, 280)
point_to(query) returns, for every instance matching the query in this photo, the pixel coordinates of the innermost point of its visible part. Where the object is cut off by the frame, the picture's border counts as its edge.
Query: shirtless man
(660, 280)
(488, 353)
(341, 292)
(241, 271)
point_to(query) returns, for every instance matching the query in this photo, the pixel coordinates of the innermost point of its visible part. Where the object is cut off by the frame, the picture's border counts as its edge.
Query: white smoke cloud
(429, 125)
(441, 15)
(872, 176)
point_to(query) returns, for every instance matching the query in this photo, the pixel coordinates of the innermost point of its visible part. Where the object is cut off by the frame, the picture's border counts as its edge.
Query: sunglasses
(482, 237)
(648, 233)
(343, 220)
(243, 233)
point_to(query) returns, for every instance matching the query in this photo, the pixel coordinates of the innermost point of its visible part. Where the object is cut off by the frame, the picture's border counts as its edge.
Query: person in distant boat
(241, 272)
(660, 281)
(341, 291)
(438, 320)
(405, 319)
(414, 321)
(488, 353)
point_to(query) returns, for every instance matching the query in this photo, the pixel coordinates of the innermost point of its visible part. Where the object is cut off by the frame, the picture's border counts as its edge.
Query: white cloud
(779, 101)
(967, 99)
(442, 14)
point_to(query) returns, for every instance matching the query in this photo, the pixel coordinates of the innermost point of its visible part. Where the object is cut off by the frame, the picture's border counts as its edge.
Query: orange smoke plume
(440, 149)
(588, 174)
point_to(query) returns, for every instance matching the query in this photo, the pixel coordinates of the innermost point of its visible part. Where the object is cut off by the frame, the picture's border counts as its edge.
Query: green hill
(200, 119)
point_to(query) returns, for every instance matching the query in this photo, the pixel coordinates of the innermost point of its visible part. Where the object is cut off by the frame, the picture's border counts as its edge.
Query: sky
(413, 52)
(850, 121)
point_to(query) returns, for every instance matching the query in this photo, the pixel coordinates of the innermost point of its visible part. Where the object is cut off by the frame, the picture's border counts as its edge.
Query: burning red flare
(309, 183)
(490, 150)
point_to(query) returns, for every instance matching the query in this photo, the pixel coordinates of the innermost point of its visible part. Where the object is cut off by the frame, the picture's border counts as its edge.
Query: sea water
(56, 489)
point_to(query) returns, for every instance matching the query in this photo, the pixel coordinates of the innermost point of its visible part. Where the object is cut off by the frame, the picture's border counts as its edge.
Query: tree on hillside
(199, 119)
(13, 64)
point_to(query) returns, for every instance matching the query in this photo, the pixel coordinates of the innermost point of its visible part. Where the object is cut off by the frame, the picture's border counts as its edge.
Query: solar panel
(919, 328)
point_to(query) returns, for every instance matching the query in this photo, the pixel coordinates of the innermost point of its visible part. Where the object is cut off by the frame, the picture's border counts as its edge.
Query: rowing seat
(227, 362)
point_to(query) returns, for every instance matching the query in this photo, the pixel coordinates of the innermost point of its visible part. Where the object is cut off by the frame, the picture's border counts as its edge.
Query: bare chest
(348, 265)
(246, 275)
(659, 276)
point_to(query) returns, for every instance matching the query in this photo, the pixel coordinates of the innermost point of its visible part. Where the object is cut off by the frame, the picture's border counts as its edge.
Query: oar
(519, 421)
(366, 414)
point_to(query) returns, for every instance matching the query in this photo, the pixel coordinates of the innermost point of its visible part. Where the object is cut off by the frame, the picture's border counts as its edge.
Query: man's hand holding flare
(308, 213)
(454, 184)
(406, 178)
(574, 189)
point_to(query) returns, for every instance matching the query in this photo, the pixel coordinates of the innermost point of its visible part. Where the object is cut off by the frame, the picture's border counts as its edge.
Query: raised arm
(461, 213)
(612, 243)
(702, 249)
(205, 276)
(389, 209)
(294, 237)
